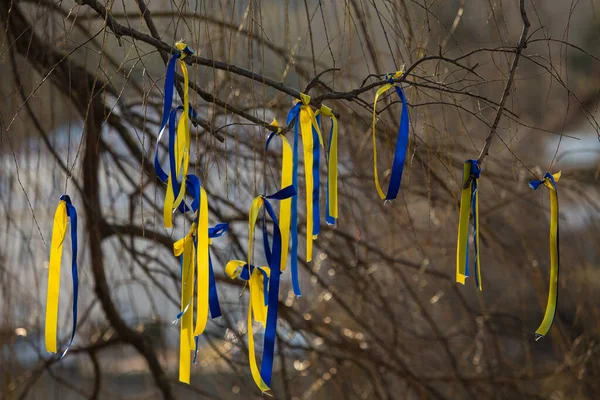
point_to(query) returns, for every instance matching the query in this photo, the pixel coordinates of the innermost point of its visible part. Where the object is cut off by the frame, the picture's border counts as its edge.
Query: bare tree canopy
(511, 84)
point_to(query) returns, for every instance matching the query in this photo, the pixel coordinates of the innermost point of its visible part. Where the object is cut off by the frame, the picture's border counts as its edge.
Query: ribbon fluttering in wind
(331, 205)
(469, 203)
(264, 284)
(549, 181)
(305, 123)
(64, 211)
(401, 141)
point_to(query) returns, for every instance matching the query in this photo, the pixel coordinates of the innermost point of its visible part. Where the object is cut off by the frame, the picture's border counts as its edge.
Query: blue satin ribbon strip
(72, 214)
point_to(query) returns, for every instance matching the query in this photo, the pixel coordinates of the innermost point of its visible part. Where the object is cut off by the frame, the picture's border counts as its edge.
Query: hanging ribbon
(285, 205)
(184, 249)
(469, 203)
(263, 301)
(193, 249)
(179, 145)
(401, 141)
(549, 181)
(305, 122)
(65, 210)
(331, 204)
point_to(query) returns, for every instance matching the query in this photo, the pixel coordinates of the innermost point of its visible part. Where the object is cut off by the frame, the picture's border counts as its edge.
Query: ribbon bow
(469, 201)
(549, 181)
(65, 210)
(305, 122)
(262, 302)
(401, 141)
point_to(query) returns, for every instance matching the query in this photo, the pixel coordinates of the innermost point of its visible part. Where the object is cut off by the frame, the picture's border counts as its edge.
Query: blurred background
(380, 316)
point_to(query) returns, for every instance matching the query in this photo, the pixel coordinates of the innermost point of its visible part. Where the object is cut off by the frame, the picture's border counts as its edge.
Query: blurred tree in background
(380, 316)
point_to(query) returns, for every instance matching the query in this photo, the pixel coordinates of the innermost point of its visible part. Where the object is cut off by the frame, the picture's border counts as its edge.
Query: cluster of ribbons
(307, 123)
(193, 249)
(401, 141)
(65, 211)
(469, 203)
(549, 181)
(263, 283)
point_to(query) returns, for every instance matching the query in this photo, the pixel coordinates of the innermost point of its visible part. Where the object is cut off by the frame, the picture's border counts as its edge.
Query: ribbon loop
(64, 211)
(401, 142)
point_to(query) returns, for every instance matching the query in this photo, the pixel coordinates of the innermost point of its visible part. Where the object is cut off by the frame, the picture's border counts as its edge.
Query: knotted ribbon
(401, 141)
(260, 277)
(305, 122)
(179, 149)
(65, 210)
(469, 203)
(549, 181)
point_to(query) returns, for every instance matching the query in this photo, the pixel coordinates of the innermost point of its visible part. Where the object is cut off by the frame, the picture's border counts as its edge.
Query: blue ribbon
(401, 148)
(316, 179)
(72, 214)
(328, 218)
(274, 253)
(475, 173)
(293, 115)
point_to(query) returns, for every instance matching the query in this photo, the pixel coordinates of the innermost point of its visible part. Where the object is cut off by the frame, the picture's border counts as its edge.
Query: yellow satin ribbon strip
(59, 230)
(203, 266)
(379, 92)
(187, 344)
(285, 205)
(462, 243)
(332, 172)
(256, 308)
(307, 123)
(546, 324)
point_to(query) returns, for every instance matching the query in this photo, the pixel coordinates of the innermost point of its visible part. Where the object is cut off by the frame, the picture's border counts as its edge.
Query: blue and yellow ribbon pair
(64, 211)
(184, 249)
(549, 181)
(401, 141)
(193, 251)
(263, 284)
(305, 122)
(469, 203)
(179, 148)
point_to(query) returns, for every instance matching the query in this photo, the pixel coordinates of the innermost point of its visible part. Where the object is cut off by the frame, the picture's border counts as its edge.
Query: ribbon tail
(332, 174)
(550, 312)
(463, 227)
(59, 230)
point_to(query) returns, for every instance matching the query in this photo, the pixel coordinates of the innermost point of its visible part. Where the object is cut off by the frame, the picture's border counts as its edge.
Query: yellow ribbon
(332, 170)
(544, 327)
(59, 230)
(307, 123)
(462, 243)
(187, 344)
(379, 92)
(203, 266)
(285, 205)
(256, 309)
(182, 147)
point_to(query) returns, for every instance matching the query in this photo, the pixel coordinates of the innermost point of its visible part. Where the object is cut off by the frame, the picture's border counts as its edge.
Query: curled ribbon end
(538, 336)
